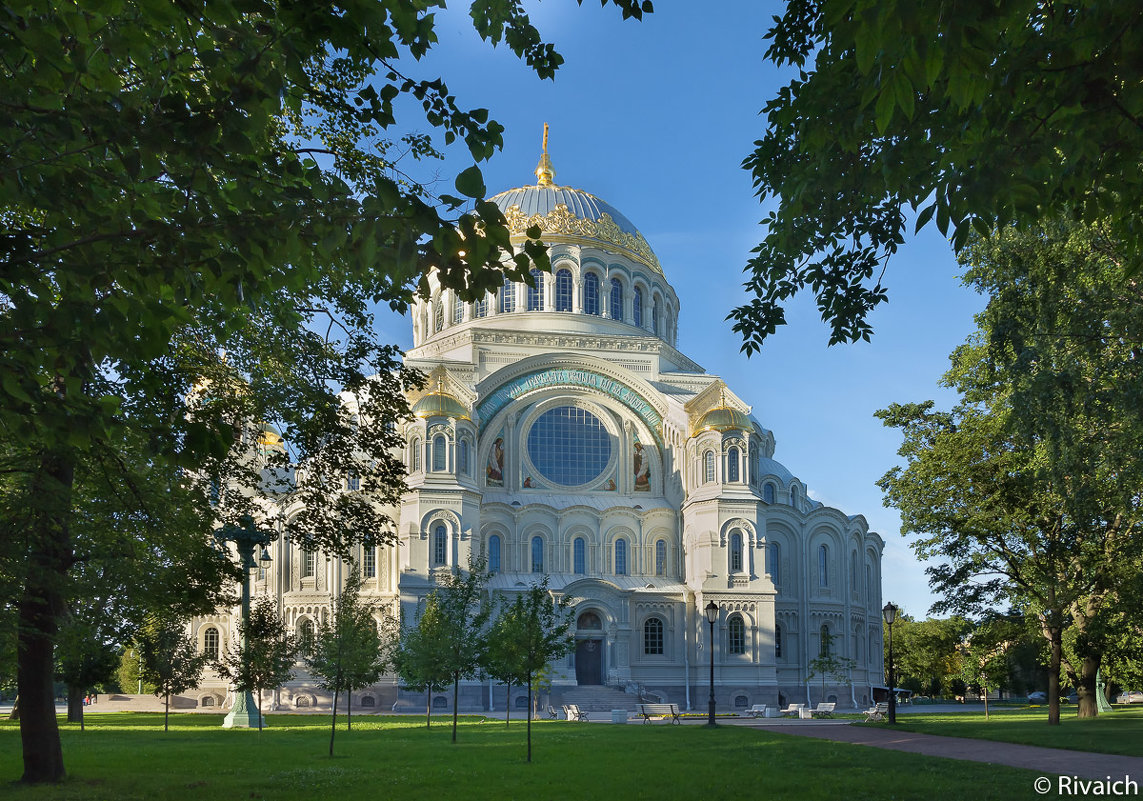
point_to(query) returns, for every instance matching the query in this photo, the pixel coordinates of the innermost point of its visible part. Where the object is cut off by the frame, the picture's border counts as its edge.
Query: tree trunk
(166, 712)
(1086, 687)
(508, 705)
(333, 726)
(455, 695)
(39, 610)
(15, 713)
(429, 710)
(75, 706)
(1056, 658)
(349, 709)
(529, 717)
(258, 704)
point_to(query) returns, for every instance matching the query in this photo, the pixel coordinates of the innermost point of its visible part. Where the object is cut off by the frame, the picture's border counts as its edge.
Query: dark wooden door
(589, 662)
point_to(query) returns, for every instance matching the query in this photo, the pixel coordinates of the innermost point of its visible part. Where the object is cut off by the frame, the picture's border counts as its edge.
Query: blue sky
(655, 117)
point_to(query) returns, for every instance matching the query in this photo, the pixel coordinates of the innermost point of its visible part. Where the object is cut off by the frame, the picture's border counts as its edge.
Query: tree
(347, 651)
(420, 656)
(267, 660)
(984, 654)
(1028, 488)
(974, 116)
(827, 664)
(464, 611)
(83, 660)
(185, 179)
(171, 661)
(501, 659)
(925, 653)
(528, 635)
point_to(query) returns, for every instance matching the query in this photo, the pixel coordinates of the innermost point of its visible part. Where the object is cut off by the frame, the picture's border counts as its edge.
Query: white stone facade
(562, 433)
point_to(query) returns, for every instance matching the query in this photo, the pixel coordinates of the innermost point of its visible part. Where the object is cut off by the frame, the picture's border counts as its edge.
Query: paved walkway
(1060, 761)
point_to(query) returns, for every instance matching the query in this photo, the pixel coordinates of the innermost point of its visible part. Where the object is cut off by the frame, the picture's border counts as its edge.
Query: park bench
(756, 711)
(824, 709)
(552, 715)
(877, 712)
(792, 710)
(571, 712)
(664, 711)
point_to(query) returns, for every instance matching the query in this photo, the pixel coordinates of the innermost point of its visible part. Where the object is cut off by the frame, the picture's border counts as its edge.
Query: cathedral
(561, 433)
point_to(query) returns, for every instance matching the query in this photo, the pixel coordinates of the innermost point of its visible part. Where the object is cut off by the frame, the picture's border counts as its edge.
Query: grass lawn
(127, 756)
(1118, 732)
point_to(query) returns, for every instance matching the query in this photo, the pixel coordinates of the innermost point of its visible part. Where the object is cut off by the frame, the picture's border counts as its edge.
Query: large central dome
(571, 215)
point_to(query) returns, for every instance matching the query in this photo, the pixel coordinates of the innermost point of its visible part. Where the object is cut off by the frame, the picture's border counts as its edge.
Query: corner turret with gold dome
(605, 279)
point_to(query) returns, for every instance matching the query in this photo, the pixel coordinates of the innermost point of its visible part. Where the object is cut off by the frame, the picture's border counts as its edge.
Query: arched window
(537, 554)
(462, 457)
(457, 311)
(352, 481)
(416, 454)
(621, 557)
(735, 551)
(440, 546)
(616, 299)
(774, 562)
(823, 566)
(506, 297)
(868, 583)
(661, 558)
(768, 493)
(536, 293)
(827, 641)
(637, 307)
(210, 642)
(777, 641)
(369, 562)
(591, 293)
(438, 315)
(494, 553)
(305, 635)
(655, 317)
(736, 635)
(708, 467)
(440, 453)
(309, 564)
(480, 308)
(732, 465)
(794, 498)
(564, 291)
(653, 636)
(579, 556)
(853, 588)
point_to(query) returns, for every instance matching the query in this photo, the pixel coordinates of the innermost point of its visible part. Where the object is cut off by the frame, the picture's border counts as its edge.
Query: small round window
(569, 446)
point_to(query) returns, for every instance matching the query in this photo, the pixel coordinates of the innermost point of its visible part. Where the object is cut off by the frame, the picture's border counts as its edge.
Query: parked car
(1038, 697)
(1129, 697)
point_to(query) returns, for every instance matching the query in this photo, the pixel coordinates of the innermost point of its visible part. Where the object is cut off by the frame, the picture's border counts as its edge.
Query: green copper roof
(440, 404)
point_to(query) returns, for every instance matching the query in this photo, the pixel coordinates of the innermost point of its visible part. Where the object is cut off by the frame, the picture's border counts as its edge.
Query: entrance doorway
(589, 662)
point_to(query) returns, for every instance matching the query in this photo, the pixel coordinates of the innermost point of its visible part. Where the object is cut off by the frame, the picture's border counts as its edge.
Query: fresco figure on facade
(642, 469)
(495, 469)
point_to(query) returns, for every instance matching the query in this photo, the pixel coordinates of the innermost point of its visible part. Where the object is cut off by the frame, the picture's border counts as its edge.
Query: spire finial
(545, 172)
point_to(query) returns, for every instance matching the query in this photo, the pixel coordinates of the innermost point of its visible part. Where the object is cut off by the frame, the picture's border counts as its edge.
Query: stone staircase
(595, 698)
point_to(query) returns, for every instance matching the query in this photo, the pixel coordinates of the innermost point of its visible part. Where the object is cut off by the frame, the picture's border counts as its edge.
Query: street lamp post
(889, 612)
(711, 616)
(246, 537)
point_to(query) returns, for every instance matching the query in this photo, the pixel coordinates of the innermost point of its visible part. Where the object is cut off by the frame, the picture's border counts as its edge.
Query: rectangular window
(369, 562)
(353, 482)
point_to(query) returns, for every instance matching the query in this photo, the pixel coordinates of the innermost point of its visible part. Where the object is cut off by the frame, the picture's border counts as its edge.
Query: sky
(655, 117)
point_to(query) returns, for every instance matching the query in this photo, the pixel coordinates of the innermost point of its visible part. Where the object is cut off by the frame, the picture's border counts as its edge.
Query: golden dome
(270, 440)
(723, 418)
(439, 403)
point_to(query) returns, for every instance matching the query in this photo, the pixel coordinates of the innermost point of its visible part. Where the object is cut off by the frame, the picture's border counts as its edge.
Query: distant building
(561, 433)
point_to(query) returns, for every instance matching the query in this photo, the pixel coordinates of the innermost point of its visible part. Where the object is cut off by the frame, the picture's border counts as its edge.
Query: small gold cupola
(545, 172)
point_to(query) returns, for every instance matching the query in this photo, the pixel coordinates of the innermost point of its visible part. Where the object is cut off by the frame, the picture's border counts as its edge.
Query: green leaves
(470, 182)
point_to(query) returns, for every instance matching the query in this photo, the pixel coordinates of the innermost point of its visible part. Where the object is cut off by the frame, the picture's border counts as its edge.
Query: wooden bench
(756, 711)
(664, 711)
(792, 710)
(877, 712)
(824, 709)
(571, 712)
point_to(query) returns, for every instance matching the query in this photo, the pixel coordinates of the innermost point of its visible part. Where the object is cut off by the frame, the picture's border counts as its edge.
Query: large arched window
(579, 556)
(494, 553)
(868, 583)
(708, 467)
(591, 293)
(415, 448)
(795, 498)
(305, 630)
(853, 587)
(440, 546)
(653, 636)
(457, 311)
(655, 317)
(735, 635)
(537, 554)
(506, 297)
(823, 566)
(564, 291)
(661, 558)
(440, 453)
(768, 492)
(827, 641)
(480, 307)
(732, 465)
(637, 307)
(735, 551)
(210, 642)
(621, 557)
(536, 293)
(616, 300)
(777, 641)
(462, 457)
(774, 562)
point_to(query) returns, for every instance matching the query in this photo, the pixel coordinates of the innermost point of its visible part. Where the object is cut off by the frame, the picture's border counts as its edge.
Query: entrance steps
(594, 698)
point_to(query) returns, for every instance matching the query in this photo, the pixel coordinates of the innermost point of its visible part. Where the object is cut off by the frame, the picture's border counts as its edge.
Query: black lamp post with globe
(711, 611)
(889, 612)
(246, 537)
